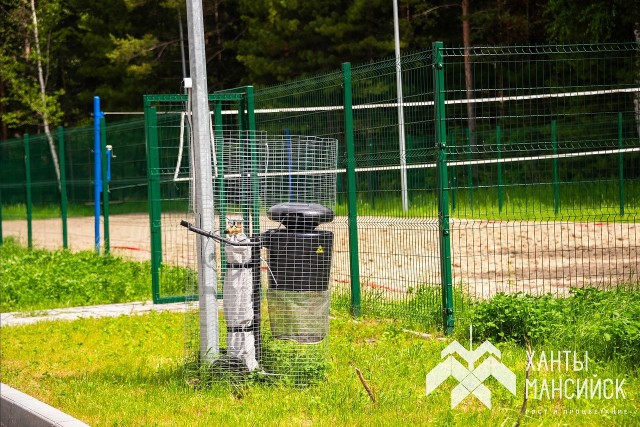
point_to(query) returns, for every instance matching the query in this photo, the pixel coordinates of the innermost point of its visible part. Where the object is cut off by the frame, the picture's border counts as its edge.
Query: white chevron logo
(470, 379)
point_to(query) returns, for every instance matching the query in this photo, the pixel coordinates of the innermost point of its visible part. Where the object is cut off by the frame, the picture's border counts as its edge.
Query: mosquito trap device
(299, 266)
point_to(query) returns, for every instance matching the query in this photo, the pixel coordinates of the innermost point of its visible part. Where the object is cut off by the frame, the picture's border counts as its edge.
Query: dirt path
(397, 255)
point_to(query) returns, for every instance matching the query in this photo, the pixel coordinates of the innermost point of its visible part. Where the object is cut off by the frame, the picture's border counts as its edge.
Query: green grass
(131, 370)
(127, 371)
(34, 279)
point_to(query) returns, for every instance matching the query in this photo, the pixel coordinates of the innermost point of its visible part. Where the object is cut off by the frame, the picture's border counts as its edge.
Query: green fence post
(556, 185)
(153, 173)
(63, 187)
(221, 196)
(27, 172)
(620, 165)
(499, 146)
(246, 158)
(469, 170)
(443, 191)
(454, 179)
(408, 155)
(351, 191)
(255, 189)
(105, 184)
(372, 196)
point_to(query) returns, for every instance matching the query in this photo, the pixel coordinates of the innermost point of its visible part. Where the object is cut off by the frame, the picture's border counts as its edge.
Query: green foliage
(606, 323)
(598, 21)
(39, 279)
(18, 59)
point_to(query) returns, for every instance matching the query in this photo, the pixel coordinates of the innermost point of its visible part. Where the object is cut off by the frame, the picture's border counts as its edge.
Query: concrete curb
(19, 409)
(73, 313)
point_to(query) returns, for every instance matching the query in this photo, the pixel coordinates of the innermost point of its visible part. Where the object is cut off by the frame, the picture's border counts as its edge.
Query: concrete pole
(204, 200)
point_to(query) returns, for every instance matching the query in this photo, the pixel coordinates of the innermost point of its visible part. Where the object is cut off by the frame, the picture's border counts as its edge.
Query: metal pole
(222, 197)
(454, 180)
(63, 187)
(97, 170)
(499, 146)
(288, 137)
(354, 264)
(182, 57)
(556, 185)
(155, 208)
(403, 151)
(105, 184)
(620, 165)
(253, 153)
(27, 171)
(204, 199)
(469, 170)
(443, 190)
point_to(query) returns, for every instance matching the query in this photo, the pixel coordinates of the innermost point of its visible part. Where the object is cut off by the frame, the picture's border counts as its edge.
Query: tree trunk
(468, 76)
(43, 94)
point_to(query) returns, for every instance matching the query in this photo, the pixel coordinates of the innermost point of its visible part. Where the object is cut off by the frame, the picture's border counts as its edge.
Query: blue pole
(288, 135)
(97, 168)
(108, 163)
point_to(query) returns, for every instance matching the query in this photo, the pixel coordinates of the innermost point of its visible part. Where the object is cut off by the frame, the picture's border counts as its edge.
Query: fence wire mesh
(543, 162)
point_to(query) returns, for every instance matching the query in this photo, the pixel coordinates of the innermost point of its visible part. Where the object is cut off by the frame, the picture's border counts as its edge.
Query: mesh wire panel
(272, 280)
(543, 168)
(12, 189)
(127, 190)
(314, 106)
(398, 249)
(293, 174)
(399, 245)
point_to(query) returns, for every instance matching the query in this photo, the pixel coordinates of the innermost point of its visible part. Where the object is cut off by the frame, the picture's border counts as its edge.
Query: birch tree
(43, 109)
(27, 98)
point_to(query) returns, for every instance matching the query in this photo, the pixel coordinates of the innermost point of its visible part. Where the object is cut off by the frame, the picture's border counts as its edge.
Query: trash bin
(299, 260)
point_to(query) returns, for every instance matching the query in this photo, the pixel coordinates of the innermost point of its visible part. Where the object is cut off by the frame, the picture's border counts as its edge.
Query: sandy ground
(399, 255)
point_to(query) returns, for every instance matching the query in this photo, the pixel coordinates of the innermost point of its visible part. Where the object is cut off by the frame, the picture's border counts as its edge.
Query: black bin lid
(300, 216)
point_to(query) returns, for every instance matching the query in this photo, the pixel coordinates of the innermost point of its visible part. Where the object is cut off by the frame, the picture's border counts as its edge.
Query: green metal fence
(40, 210)
(521, 177)
(522, 170)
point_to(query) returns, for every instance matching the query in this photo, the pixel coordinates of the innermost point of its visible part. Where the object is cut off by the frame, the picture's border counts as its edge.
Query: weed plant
(606, 323)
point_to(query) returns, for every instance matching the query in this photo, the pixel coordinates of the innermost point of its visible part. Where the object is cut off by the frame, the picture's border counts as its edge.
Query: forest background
(55, 55)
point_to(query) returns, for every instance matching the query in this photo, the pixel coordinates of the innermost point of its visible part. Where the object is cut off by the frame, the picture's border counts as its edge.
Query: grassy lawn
(38, 279)
(128, 371)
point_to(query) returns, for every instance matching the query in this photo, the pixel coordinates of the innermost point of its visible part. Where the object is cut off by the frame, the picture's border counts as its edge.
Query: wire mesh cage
(274, 204)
